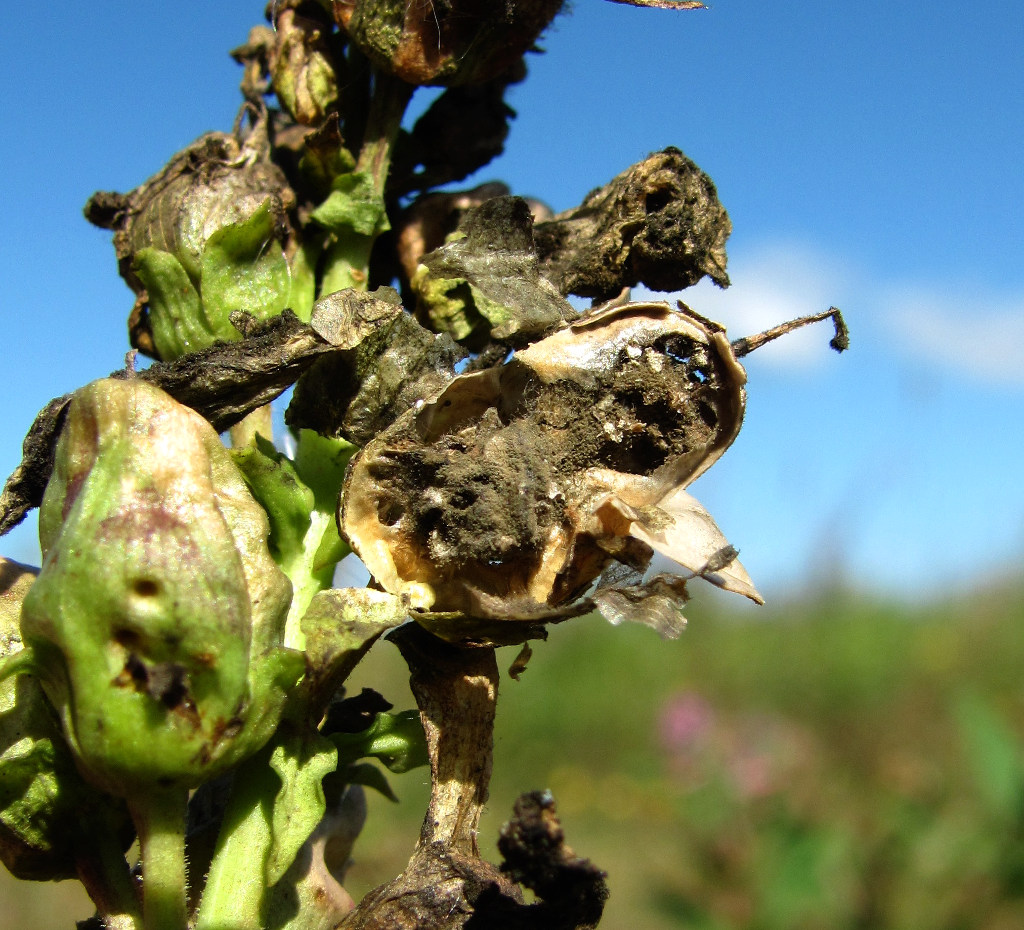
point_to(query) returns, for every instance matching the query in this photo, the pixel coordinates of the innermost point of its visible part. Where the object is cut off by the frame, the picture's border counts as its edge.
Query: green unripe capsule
(157, 617)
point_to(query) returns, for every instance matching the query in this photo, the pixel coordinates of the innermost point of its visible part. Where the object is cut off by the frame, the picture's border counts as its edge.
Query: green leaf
(175, 310)
(397, 740)
(301, 761)
(353, 206)
(339, 627)
(233, 894)
(321, 461)
(994, 754)
(302, 287)
(274, 482)
(304, 539)
(244, 268)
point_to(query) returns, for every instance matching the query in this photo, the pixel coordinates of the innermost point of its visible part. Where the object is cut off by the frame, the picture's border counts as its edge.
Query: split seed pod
(510, 493)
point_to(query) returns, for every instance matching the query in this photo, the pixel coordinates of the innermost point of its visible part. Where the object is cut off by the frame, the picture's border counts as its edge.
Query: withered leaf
(346, 318)
(384, 364)
(461, 131)
(659, 223)
(657, 603)
(224, 383)
(498, 258)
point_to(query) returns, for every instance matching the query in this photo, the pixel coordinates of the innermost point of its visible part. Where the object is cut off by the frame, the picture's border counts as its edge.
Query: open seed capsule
(507, 495)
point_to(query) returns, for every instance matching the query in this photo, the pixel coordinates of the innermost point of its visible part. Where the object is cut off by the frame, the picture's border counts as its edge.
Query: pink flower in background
(685, 725)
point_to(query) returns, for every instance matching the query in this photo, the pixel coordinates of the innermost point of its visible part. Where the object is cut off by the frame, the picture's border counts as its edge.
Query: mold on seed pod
(511, 492)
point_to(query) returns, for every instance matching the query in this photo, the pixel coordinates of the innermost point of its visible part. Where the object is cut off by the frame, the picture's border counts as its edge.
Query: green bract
(300, 497)
(157, 619)
(48, 815)
(355, 214)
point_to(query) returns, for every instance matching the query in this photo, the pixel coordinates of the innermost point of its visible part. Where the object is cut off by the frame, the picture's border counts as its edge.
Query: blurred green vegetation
(837, 762)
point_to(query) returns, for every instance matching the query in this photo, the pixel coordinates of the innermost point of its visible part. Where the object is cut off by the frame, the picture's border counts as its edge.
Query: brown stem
(387, 107)
(446, 885)
(456, 690)
(840, 342)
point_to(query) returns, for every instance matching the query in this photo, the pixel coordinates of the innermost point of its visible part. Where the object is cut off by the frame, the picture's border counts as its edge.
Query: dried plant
(499, 460)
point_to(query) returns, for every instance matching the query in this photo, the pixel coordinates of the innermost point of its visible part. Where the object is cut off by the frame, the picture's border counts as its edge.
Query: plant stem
(259, 421)
(236, 881)
(160, 822)
(104, 873)
(347, 262)
(456, 690)
(387, 107)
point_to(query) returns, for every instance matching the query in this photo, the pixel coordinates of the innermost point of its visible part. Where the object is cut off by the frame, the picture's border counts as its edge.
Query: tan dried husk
(508, 494)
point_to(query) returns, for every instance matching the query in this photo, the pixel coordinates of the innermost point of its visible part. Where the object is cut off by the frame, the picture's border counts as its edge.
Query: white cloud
(971, 336)
(966, 332)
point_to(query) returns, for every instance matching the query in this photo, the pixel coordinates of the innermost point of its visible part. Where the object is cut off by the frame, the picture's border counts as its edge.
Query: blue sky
(869, 155)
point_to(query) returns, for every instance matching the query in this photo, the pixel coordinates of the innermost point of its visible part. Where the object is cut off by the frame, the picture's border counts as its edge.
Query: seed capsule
(157, 617)
(507, 495)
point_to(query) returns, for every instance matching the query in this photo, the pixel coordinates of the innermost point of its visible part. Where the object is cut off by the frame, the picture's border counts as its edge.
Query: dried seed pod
(208, 235)
(511, 492)
(303, 64)
(444, 41)
(658, 223)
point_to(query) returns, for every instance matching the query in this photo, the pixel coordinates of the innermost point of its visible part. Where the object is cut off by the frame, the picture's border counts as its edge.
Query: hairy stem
(160, 822)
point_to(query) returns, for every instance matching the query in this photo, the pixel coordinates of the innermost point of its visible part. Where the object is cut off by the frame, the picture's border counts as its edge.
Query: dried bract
(486, 284)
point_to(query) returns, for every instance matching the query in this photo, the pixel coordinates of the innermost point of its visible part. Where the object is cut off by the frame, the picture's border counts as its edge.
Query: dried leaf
(223, 383)
(387, 363)
(496, 256)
